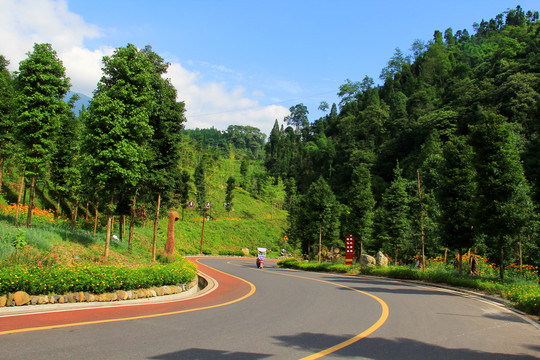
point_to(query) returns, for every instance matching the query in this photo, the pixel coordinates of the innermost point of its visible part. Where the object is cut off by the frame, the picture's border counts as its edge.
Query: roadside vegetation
(520, 288)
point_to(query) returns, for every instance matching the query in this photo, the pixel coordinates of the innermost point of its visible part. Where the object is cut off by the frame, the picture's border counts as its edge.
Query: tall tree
(183, 189)
(393, 215)
(315, 218)
(7, 113)
(65, 170)
(41, 86)
(200, 184)
(456, 192)
(231, 185)
(166, 119)
(502, 188)
(362, 205)
(118, 127)
(298, 117)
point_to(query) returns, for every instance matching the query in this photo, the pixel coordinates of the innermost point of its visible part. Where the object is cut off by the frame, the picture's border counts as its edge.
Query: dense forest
(443, 156)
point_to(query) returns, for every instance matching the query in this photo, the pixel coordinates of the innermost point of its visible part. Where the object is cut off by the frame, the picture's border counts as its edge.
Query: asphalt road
(281, 314)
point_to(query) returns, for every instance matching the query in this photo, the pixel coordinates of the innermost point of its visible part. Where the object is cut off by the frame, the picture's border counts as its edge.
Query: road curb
(204, 285)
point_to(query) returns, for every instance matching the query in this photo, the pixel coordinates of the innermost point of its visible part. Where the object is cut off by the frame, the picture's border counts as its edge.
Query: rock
(367, 260)
(158, 291)
(109, 297)
(21, 298)
(3, 300)
(382, 260)
(122, 295)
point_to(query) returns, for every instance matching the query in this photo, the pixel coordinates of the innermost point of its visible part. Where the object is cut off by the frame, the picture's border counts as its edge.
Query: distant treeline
(247, 139)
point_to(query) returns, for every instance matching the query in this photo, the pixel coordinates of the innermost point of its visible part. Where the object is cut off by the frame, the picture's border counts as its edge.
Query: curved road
(281, 314)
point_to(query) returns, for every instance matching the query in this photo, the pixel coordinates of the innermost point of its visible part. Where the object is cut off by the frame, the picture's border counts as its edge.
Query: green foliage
(362, 203)
(456, 190)
(94, 279)
(314, 216)
(118, 125)
(41, 85)
(524, 296)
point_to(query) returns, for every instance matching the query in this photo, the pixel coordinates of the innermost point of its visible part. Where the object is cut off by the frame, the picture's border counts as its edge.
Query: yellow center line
(382, 319)
(59, 326)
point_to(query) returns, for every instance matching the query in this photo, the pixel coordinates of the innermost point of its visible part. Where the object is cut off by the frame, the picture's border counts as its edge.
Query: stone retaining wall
(20, 298)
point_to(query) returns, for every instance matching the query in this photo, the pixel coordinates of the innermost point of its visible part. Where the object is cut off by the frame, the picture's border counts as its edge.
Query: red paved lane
(229, 288)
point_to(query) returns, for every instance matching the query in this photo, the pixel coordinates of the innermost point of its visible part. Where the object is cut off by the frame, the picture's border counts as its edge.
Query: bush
(94, 279)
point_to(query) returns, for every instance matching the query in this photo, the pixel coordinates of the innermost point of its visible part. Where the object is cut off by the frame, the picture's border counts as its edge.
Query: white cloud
(83, 66)
(25, 22)
(210, 104)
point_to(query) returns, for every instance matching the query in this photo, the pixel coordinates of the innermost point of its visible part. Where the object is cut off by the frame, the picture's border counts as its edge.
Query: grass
(519, 290)
(51, 244)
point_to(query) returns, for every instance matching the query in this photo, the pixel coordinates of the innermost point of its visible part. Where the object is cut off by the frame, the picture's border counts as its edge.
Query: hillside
(252, 223)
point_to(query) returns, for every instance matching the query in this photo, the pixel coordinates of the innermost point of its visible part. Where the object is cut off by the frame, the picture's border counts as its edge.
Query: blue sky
(239, 62)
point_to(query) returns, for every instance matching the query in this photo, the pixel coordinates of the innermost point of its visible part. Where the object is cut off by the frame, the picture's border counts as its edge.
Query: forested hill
(456, 123)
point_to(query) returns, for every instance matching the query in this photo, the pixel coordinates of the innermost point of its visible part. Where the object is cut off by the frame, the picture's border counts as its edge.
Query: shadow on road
(378, 348)
(196, 353)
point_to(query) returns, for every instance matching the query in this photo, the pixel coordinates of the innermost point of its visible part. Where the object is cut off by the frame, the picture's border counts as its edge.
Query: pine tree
(362, 206)
(502, 187)
(456, 192)
(393, 215)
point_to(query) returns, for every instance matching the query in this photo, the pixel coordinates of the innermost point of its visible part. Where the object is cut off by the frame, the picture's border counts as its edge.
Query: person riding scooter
(260, 258)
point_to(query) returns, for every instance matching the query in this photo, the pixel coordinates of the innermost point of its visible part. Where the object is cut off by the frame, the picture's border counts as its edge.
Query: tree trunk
(1, 171)
(501, 258)
(132, 221)
(421, 221)
(31, 201)
(96, 217)
(74, 215)
(156, 224)
(24, 195)
(19, 198)
(520, 257)
(320, 241)
(460, 265)
(108, 236)
(57, 205)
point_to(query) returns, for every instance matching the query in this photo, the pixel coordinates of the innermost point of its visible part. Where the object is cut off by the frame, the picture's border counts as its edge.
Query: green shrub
(94, 279)
(524, 295)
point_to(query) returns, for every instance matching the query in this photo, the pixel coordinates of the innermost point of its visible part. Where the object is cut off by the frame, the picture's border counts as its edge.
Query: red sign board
(349, 249)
